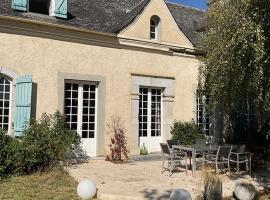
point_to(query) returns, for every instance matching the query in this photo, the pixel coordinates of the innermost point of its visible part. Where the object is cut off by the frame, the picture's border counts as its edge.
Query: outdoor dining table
(194, 149)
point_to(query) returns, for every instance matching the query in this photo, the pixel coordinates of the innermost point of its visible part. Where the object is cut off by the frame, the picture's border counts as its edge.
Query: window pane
(92, 103)
(84, 134)
(86, 95)
(92, 95)
(86, 87)
(68, 86)
(93, 88)
(92, 118)
(91, 126)
(73, 126)
(67, 94)
(91, 134)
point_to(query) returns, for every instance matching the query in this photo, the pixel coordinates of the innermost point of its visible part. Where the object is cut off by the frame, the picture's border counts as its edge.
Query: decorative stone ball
(86, 189)
(180, 194)
(244, 191)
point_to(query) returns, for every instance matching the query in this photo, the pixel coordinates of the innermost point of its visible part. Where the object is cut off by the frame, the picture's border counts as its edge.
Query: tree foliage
(237, 64)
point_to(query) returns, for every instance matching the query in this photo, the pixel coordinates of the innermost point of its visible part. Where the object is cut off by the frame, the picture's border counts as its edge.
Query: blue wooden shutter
(23, 98)
(61, 8)
(19, 5)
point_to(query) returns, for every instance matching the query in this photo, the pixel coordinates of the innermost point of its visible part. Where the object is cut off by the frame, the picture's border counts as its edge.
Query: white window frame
(156, 25)
(201, 101)
(9, 129)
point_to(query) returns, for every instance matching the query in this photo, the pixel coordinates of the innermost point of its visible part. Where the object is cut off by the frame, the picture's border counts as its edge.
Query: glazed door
(80, 110)
(150, 118)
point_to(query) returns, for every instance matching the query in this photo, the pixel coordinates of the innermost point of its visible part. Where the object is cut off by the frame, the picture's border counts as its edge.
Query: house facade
(95, 59)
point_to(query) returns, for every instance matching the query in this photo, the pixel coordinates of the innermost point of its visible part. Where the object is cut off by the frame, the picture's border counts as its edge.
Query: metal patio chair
(241, 158)
(200, 141)
(222, 157)
(172, 157)
(172, 142)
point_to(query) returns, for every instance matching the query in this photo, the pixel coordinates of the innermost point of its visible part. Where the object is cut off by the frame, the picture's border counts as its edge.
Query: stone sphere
(86, 189)
(180, 194)
(244, 191)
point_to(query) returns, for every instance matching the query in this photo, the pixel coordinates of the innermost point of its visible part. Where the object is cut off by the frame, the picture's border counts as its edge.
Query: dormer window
(154, 27)
(57, 8)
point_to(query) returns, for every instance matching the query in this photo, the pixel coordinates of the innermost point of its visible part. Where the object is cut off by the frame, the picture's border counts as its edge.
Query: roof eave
(30, 21)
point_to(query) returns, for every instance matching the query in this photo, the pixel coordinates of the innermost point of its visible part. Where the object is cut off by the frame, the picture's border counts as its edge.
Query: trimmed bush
(186, 132)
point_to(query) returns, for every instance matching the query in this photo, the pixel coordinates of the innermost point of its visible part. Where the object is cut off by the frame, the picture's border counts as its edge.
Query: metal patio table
(195, 148)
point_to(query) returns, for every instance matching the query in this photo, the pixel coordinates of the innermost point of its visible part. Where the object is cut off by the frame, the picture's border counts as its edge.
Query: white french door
(81, 112)
(150, 118)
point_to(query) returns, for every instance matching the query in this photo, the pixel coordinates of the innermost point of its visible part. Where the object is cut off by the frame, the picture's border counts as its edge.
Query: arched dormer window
(154, 27)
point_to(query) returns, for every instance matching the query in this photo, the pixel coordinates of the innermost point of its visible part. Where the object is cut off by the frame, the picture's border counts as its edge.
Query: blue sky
(201, 4)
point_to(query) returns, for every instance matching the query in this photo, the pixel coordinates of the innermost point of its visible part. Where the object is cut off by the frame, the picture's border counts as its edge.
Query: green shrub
(186, 132)
(45, 142)
(9, 149)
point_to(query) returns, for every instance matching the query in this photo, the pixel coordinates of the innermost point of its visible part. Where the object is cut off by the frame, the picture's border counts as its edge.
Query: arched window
(5, 101)
(154, 27)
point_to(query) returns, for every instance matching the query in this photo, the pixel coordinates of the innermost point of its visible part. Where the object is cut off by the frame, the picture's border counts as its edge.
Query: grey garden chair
(200, 141)
(173, 158)
(240, 156)
(172, 142)
(222, 157)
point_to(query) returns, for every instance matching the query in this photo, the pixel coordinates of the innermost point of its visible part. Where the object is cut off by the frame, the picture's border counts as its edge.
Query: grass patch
(55, 184)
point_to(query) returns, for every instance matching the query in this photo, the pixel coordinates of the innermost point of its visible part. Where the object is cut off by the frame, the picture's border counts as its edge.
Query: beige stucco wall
(44, 58)
(169, 31)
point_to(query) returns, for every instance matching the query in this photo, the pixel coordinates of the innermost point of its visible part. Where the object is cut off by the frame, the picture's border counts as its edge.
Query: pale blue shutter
(19, 5)
(23, 98)
(61, 8)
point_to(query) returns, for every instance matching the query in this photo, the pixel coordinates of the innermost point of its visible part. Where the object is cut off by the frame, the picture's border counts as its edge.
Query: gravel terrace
(144, 180)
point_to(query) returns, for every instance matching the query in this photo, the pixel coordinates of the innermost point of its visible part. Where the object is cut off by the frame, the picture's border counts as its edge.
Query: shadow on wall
(154, 194)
